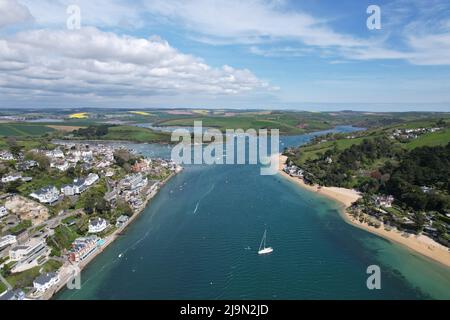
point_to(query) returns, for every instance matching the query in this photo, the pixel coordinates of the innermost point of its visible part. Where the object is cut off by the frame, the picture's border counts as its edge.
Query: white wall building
(97, 225)
(91, 179)
(46, 195)
(6, 155)
(22, 251)
(3, 212)
(60, 165)
(55, 154)
(11, 178)
(7, 240)
(45, 281)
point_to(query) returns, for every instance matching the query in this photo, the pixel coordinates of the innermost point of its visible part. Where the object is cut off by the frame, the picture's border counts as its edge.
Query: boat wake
(204, 196)
(196, 207)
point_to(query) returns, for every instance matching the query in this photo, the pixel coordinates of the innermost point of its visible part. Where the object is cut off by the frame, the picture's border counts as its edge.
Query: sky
(265, 54)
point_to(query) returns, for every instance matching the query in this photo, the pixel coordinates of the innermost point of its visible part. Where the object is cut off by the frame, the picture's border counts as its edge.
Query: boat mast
(263, 241)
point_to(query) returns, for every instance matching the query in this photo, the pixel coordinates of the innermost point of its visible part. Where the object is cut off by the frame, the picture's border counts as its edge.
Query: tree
(14, 148)
(94, 202)
(13, 186)
(124, 208)
(419, 220)
(41, 159)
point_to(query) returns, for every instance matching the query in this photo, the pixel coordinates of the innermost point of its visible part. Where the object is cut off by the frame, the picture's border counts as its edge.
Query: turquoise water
(198, 239)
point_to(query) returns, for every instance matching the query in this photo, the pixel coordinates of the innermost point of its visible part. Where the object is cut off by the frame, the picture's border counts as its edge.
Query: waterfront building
(45, 281)
(82, 248)
(97, 225)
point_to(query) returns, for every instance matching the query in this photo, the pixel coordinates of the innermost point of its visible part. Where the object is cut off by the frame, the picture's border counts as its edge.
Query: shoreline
(66, 271)
(420, 244)
(87, 141)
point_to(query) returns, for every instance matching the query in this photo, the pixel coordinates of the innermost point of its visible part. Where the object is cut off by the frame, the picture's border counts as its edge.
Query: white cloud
(249, 21)
(12, 12)
(272, 28)
(90, 62)
(415, 31)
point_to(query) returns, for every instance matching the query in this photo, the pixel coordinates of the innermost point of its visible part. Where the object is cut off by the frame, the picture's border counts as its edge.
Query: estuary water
(199, 237)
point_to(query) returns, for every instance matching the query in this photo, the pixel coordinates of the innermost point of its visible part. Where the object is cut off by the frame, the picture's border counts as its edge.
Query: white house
(68, 190)
(46, 195)
(55, 154)
(26, 250)
(134, 182)
(121, 221)
(97, 225)
(11, 177)
(12, 295)
(6, 155)
(91, 179)
(3, 212)
(385, 201)
(7, 240)
(60, 165)
(45, 281)
(87, 155)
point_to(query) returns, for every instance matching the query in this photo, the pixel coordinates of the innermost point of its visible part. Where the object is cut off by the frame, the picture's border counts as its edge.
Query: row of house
(80, 185)
(411, 133)
(82, 248)
(50, 194)
(14, 177)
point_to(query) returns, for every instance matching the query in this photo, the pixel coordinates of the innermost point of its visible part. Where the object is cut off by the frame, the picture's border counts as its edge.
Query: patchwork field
(287, 124)
(23, 129)
(130, 133)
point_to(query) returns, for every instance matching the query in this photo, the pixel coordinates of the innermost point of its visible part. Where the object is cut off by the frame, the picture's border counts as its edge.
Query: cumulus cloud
(95, 63)
(12, 12)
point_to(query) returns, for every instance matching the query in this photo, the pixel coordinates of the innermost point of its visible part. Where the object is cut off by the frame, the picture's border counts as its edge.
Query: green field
(25, 279)
(287, 124)
(23, 129)
(311, 152)
(136, 134)
(2, 287)
(26, 143)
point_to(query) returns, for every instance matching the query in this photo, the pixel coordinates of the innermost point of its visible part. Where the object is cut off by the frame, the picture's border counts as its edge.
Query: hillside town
(59, 207)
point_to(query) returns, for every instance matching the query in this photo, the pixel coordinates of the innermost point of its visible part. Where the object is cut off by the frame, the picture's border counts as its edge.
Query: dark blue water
(198, 239)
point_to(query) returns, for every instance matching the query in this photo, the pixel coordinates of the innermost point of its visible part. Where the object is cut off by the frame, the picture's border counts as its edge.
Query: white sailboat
(262, 247)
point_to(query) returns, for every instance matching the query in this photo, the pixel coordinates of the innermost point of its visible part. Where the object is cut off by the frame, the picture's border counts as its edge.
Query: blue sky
(309, 54)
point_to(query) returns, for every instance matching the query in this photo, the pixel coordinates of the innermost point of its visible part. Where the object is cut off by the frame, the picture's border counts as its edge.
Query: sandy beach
(417, 244)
